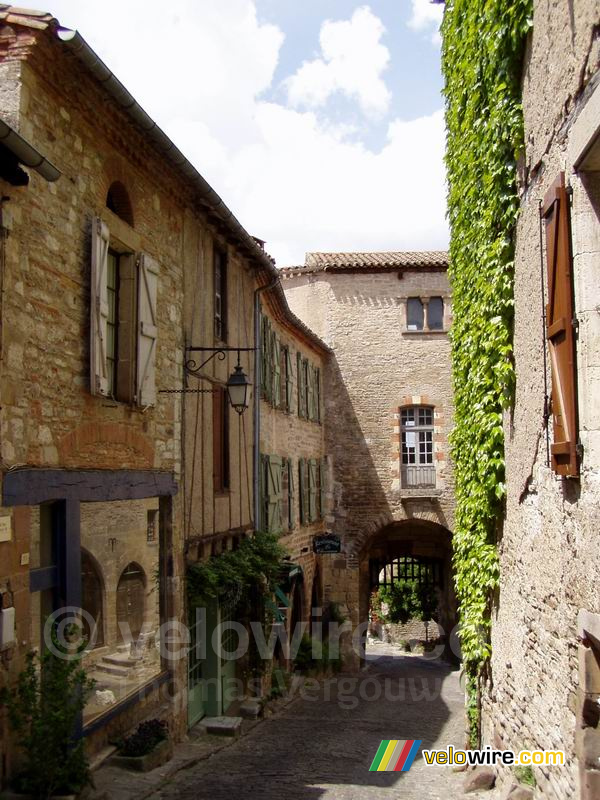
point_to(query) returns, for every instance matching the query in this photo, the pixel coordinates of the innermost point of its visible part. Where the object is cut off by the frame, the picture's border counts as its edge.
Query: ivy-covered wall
(483, 45)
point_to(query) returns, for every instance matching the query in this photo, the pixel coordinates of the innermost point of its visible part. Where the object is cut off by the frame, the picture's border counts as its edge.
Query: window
(220, 440)
(220, 261)
(435, 314)
(112, 321)
(123, 318)
(417, 447)
(414, 314)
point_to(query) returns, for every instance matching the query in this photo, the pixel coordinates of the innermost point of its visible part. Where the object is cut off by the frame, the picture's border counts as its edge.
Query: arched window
(92, 600)
(418, 468)
(131, 602)
(117, 200)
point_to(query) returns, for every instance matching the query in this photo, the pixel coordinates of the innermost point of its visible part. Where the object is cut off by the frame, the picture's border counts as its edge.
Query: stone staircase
(115, 667)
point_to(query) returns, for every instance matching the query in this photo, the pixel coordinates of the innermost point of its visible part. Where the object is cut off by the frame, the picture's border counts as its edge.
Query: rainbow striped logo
(395, 755)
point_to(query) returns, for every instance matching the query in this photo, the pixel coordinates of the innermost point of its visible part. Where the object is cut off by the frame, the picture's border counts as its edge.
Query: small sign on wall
(5, 529)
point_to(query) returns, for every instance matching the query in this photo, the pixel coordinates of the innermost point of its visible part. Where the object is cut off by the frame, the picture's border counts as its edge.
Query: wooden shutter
(218, 431)
(312, 490)
(262, 488)
(99, 308)
(291, 494)
(267, 364)
(289, 383)
(302, 499)
(300, 385)
(323, 477)
(318, 394)
(560, 320)
(274, 496)
(276, 361)
(147, 330)
(310, 391)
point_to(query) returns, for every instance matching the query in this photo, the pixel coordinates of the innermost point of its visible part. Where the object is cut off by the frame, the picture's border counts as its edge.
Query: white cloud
(427, 16)
(353, 60)
(200, 68)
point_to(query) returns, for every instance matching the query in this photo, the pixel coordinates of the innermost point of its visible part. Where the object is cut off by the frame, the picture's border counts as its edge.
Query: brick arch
(117, 173)
(354, 545)
(106, 445)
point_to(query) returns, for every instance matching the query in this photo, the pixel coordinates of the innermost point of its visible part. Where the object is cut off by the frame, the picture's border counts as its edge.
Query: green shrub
(525, 775)
(43, 711)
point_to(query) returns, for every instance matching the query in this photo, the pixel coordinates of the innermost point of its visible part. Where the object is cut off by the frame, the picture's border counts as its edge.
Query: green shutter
(276, 361)
(312, 490)
(302, 490)
(274, 498)
(291, 493)
(289, 384)
(262, 520)
(300, 385)
(310, 391)
(265, 365)
(318, 394)
(323, 485)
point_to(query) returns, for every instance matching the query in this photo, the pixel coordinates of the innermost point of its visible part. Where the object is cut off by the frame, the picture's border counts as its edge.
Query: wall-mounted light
(238, 387)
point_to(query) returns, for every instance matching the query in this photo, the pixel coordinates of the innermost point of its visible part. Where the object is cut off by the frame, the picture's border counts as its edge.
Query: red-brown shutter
(560, 329)
(218, 465)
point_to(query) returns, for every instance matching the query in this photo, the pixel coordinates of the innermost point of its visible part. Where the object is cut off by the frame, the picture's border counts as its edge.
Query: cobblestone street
(322, 744)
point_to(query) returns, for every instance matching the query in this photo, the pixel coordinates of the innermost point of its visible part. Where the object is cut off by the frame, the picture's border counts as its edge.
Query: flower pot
(159, 755)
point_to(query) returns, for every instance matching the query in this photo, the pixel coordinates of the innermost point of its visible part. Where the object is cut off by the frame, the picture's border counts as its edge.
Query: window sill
(425, 333)
(419, 493)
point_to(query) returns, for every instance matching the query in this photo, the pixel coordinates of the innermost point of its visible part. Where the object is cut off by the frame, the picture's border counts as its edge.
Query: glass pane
(435, 314)
(408, 416)
(120, 600)
(414, 314)
(425, 416)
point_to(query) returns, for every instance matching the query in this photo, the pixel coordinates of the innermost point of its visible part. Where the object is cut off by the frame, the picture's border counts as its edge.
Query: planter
(162, 753)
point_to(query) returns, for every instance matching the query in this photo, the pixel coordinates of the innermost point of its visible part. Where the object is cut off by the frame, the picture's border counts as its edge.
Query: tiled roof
(419, 258)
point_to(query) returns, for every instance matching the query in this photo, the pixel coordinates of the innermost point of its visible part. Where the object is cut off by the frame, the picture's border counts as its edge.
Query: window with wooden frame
(220, 283)
(414, 314)
(417, 467)
(560, 325)
(286, 379)
(220, 440)
(123, 318)
(323, 485)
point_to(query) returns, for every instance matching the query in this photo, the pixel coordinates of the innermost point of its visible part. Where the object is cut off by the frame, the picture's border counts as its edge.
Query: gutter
(26, 154)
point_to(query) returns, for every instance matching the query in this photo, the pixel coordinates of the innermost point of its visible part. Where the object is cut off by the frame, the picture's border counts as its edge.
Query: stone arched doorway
(131, 602)
(92, 600)
(413, 551)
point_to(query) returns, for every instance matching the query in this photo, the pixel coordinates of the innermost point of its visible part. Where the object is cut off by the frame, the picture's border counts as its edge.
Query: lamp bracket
(219, 352)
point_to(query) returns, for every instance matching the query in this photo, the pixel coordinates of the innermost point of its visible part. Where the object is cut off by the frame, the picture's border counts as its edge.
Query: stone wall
(549, 554)
(286, 434)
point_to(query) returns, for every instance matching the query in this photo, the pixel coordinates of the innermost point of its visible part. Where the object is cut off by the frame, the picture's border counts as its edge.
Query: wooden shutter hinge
(579, 449)
(575, 325)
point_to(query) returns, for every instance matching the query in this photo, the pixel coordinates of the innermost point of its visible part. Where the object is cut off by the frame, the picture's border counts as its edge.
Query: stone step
(222, 726)
(251, 709)
(112, 669)
(119, 660)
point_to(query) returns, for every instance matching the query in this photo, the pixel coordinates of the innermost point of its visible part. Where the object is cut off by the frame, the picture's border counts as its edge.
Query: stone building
(546, 627)
(130, 294)
(388, 412)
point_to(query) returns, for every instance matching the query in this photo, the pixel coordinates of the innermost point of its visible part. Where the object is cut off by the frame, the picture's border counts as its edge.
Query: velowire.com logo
(395, 755)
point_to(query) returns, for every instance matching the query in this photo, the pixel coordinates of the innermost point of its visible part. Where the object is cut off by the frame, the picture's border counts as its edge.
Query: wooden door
(131, 597)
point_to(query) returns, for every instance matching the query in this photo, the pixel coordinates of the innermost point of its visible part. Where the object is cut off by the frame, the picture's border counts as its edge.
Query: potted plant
(43, 711)
(149, 747)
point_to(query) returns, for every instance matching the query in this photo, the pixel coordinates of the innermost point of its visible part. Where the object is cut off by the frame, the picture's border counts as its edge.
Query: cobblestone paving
(322, 744)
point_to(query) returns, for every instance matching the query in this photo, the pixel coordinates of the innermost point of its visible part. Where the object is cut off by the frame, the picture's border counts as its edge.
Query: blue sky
(319, 123)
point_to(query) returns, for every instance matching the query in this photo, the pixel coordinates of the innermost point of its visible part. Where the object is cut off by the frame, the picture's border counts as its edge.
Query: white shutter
(99, 308)
(147, 331)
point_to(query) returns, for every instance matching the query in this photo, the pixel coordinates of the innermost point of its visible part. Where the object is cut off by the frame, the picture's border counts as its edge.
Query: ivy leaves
(483, 43)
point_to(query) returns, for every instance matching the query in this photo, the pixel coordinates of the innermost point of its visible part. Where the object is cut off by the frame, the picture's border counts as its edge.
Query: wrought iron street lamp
(238, 387)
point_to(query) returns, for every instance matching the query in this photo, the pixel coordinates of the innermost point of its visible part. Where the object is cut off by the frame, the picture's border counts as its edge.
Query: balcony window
(417, 467)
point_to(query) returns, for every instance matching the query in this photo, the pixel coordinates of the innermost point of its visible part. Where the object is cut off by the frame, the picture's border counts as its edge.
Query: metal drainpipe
(257, 393)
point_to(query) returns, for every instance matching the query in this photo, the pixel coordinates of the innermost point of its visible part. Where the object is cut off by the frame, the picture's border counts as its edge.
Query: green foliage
(51, 693)
(280, 683)
(525, 775)
(483, 44)
(255, 565)
(407, 600)
(315, 656)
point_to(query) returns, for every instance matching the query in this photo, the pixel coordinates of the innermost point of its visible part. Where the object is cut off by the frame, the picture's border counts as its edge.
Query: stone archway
(400, 544)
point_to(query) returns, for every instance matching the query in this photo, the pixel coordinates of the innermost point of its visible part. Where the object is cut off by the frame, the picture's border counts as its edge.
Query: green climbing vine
(482, 54)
